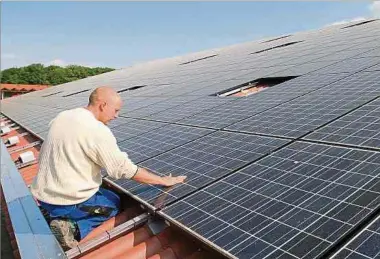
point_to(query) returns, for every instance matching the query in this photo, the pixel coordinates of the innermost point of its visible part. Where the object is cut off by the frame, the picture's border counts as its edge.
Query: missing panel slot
(276, 47)
(76, 93)
(131, 88)
(199, 59)
(253, 86)
(52, 94)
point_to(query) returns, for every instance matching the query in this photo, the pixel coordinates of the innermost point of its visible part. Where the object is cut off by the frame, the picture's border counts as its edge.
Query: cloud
(63, 63)
(356, 19)
(375, 9)
(56, 62)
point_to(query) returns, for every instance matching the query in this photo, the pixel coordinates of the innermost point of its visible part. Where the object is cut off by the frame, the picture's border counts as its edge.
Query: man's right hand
(145, 176)
(172, 180)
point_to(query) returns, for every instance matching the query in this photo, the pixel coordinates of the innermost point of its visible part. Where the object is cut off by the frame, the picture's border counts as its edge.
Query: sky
(120, 34)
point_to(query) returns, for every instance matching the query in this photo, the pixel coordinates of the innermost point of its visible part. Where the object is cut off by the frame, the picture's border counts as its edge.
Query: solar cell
(295, 203)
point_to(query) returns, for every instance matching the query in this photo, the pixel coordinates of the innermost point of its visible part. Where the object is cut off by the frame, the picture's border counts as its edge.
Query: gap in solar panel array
(254, 84)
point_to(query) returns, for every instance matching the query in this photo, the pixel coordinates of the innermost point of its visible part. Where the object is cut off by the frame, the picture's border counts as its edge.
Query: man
(68, 182)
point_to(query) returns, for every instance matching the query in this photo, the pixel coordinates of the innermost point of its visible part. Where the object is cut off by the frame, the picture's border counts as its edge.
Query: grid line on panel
(344, 206)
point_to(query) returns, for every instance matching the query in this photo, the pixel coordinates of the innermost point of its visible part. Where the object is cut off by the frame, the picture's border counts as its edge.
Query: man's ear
(102, 106)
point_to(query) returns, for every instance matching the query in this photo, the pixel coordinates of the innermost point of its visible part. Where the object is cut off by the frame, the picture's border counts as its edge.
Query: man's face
(109, 110)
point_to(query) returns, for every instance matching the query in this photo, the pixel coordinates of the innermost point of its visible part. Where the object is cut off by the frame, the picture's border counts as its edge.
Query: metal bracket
(156, 225)
(16, 149)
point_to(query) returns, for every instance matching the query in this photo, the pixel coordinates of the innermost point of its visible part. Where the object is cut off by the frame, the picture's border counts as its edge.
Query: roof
(22, 87)
(287, 172)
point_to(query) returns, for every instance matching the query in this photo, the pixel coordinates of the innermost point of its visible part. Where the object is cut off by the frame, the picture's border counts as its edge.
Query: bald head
(105, 103)
(103, 93)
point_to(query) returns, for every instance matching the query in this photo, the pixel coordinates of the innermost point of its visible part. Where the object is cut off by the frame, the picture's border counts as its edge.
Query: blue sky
(119, 34)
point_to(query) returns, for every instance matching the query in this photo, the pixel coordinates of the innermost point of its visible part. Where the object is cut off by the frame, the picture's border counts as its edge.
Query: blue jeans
(89, 214)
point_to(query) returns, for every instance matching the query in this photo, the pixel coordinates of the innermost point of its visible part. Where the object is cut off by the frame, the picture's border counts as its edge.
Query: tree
(50, 75)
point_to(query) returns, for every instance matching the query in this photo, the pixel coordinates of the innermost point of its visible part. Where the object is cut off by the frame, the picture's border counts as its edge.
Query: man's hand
(172, 180)
(145, 176)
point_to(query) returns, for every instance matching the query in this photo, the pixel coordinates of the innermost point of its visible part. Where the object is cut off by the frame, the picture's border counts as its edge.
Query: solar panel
(202, 161)
(158, 106)
(134, 103)
(188, 109)
(350, 65)
(305, 114)
(134, 127)
(295, 203)
(363, 246)
(302, 69)
(117, 122)
(359, 128)
(162, 139)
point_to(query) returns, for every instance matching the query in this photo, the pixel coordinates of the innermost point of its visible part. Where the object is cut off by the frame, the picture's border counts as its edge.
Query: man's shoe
(64, 231)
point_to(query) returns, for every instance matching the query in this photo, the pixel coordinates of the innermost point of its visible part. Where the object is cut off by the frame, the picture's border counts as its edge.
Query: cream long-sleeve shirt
(76, 148)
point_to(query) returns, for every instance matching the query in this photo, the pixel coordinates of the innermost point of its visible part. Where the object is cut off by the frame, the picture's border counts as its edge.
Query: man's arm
(145, 176)
(105, 152)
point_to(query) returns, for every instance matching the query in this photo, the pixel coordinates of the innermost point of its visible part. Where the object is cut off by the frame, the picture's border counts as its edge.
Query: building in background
(9, 90)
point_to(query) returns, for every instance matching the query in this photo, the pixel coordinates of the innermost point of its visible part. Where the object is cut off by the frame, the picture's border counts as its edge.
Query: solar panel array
(292, 171)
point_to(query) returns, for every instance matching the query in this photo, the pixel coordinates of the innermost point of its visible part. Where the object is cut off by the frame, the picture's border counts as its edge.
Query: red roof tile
(21, 87)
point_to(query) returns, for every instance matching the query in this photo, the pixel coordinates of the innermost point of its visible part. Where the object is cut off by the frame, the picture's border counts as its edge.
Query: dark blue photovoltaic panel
(359, 128)
(160, 140)
(202, 161)
(134, 127)
(297, 202)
